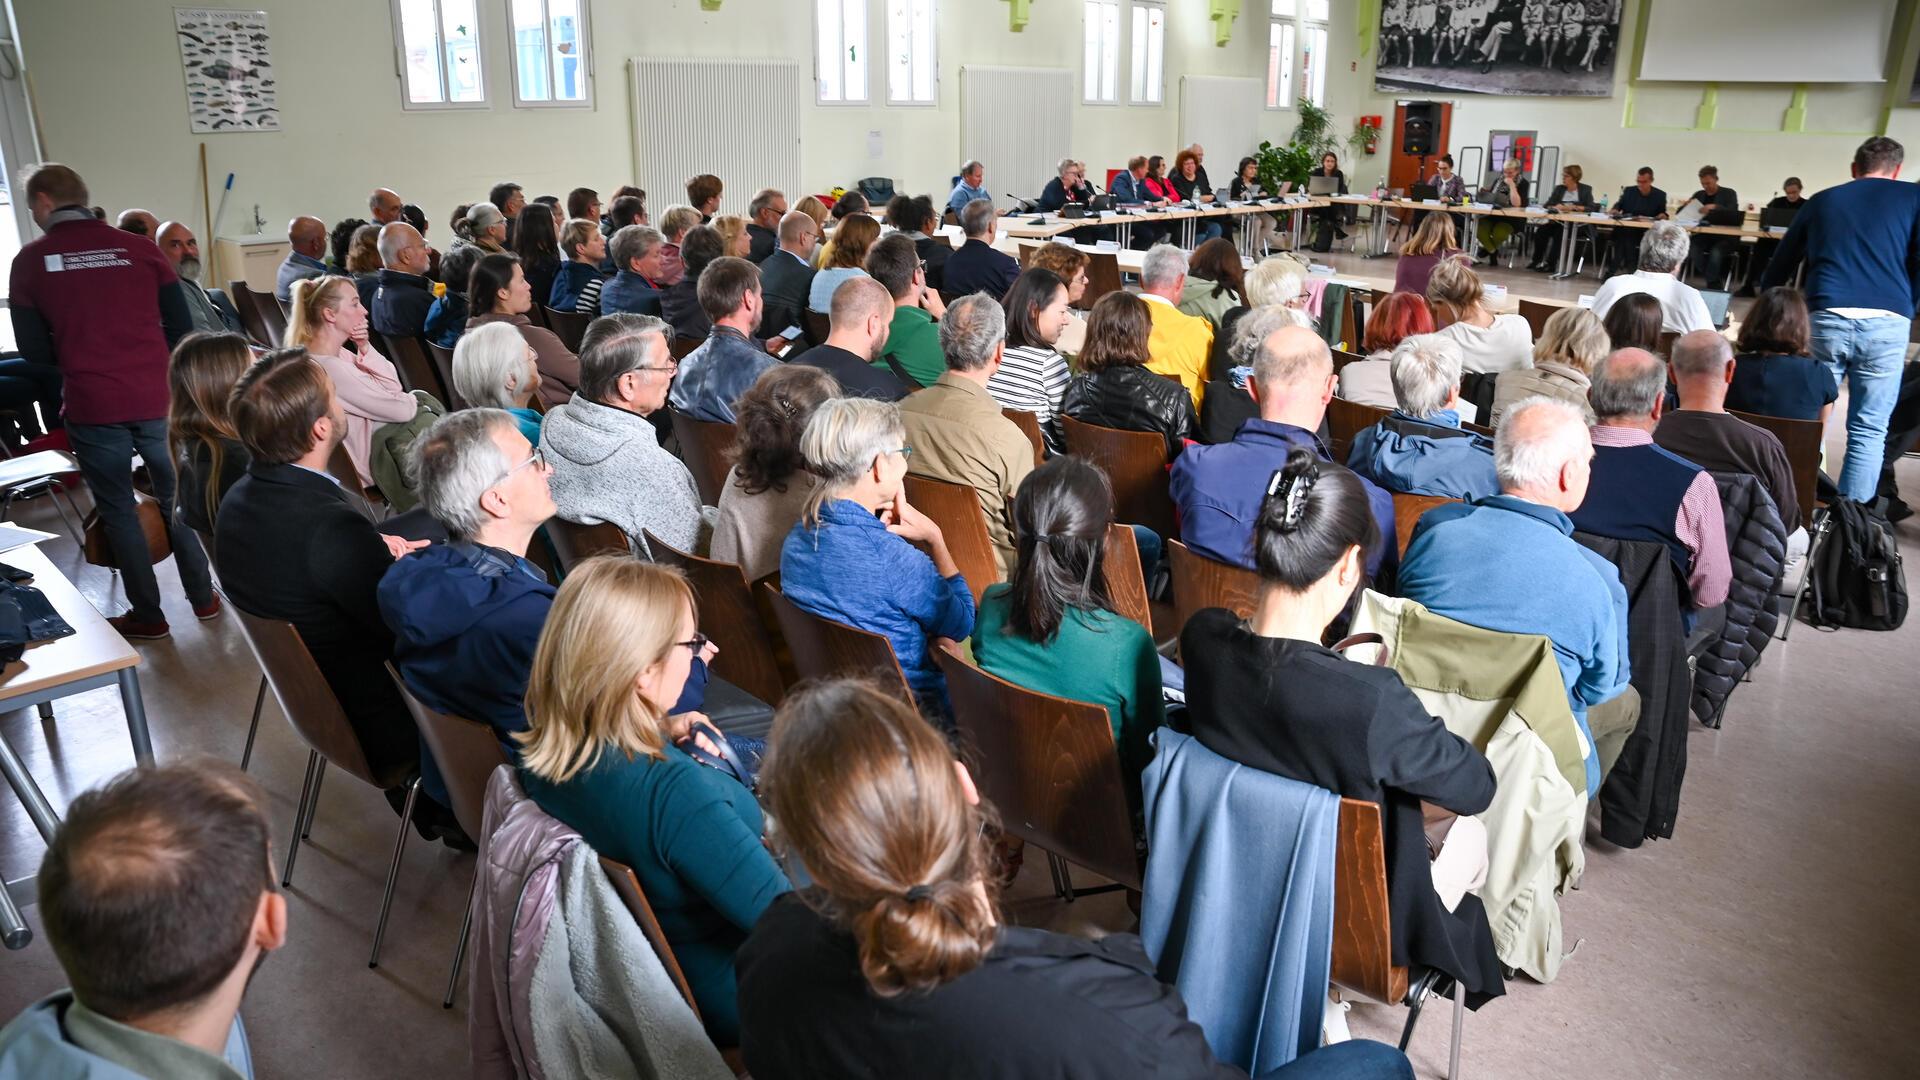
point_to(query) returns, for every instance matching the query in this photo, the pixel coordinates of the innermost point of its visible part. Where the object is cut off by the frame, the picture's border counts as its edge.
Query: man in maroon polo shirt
(107, 308)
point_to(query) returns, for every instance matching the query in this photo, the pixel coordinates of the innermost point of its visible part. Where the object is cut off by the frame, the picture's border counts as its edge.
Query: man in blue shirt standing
(1860, 243)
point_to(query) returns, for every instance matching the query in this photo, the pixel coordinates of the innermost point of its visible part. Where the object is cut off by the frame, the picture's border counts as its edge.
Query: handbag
(153, 525)
(1435, 821)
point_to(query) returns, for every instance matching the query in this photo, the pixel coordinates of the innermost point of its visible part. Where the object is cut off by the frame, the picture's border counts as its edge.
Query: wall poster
(230, 77)
(1554, 48)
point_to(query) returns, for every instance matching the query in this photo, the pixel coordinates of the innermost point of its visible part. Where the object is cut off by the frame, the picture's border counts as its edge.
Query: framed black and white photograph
(1558, 48)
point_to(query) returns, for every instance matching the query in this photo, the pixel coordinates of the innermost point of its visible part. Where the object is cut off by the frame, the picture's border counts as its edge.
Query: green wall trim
(1899, 66)
(1796, 118)
(1366, 21)
(1018, 14)
(1626, 114)
(1709, 108)
(1223, 14)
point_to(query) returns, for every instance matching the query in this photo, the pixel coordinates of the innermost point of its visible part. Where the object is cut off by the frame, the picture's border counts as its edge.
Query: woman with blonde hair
(607, 753)
(1570, 345)
(897, 957)
(495, 368)
(329, 321)
(844, 257)
(200, 435)
(733, 232)
(1433, 243)
(484, 226)
(1276, 281)
(1488, 342)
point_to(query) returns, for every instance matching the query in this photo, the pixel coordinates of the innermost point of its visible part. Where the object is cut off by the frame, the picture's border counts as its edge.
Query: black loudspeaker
(1417, 135)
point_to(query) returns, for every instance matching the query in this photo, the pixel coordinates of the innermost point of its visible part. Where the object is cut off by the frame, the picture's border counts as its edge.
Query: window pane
(420, 43)
(1285, 8)
(827, 14)
(1280, 67)
(910, 50)
(1138, 69)
(530, 50)
(924, 69)
(1316, 9)
(1091, 53)
(1156, 51)
(569, 42)
(1110, 54)
(460, 28)
(853, 20)
(1314, 65)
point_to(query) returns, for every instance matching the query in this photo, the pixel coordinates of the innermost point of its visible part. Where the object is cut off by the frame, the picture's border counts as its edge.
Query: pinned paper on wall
(231, 83)
(876, 145)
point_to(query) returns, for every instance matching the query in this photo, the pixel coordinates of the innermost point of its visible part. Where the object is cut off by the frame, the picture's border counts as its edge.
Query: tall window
(841, 28)
(1309, 57)
(912, 69)
(551, 58)
(1313, 63)
(1102, 52)
(1280, 64)
(439, 44)
(1149, 50)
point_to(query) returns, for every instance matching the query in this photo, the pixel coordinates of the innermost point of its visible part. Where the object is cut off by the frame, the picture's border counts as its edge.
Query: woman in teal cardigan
(602, 755)
(1053, 628)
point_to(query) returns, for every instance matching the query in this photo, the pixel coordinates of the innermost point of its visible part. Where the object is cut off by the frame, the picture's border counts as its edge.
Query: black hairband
(919, 893)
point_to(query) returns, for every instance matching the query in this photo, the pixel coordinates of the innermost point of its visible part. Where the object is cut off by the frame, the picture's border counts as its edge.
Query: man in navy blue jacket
(978, 266)
(1860, 244)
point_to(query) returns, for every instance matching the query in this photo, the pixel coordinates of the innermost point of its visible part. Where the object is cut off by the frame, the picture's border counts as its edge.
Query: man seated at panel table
(1641, 202)
(1181, 343)
(1130, 189)
(972, 187)
(1718, 206)
(1420, 448)
(1663, 257)
(978, 266)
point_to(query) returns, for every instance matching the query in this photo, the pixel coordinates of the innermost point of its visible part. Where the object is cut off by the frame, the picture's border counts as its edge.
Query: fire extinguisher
(1373, 141)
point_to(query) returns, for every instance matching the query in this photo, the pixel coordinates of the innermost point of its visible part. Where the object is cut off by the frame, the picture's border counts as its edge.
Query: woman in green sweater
(1053, 628)
(603, 756)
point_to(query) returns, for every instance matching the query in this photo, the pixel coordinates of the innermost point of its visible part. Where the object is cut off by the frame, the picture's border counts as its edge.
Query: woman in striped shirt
(1032, 376)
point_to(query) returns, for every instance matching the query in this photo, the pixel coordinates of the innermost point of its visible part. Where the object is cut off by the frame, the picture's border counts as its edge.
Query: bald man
(402, 294)
(786, 274)
(138, 222)
(308, 236)
(211, 310)
(1218, 488)
(383, 206)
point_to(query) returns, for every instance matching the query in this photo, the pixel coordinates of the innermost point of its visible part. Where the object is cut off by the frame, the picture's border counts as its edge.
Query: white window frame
(586, 59)
(864, 60)
(1289, 18)
(1087, 12)
(400, 61)
(932, 101)
(1313, 85)
(1282, 96)
(1135, 51)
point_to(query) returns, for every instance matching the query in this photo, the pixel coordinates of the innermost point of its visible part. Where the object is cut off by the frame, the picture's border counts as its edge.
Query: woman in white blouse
(1488, 342)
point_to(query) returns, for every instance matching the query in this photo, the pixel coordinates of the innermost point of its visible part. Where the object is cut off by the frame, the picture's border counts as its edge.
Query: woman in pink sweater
(329, 320)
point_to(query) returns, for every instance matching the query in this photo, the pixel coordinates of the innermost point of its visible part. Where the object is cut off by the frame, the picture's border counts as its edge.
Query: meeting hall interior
(1290, 539)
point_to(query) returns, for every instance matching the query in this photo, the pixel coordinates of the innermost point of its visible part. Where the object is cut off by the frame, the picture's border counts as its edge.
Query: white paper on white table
(13, 536)
(1586, 300)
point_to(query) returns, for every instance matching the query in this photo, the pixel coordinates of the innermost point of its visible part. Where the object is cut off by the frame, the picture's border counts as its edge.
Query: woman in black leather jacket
(1115, 389)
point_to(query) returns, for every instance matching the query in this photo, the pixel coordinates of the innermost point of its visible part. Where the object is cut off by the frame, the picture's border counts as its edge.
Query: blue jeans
(1205, 231)
(1356, 1059)
(1865, 354)
(105, 453)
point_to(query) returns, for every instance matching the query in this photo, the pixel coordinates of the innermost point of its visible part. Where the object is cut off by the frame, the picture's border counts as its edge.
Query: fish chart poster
(230, 75)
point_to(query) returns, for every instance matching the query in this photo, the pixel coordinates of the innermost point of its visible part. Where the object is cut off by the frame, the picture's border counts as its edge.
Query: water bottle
(1603, 202)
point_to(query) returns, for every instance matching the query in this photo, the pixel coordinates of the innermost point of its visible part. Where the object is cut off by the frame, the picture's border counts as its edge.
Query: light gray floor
(1770, 938)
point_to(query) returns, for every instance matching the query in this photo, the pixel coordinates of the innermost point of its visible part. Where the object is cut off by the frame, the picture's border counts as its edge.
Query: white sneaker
(1333, 1024)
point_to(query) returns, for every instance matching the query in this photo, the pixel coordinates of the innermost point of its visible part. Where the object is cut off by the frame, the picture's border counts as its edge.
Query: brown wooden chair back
(1349, 321)
(1536, 314)
(467, 752)
(1200, 583)
(574, 543)
(416, 368)
(1126, 584)
(340, 464)
(1801, 440)
(1135, 463)
(307, 701)
(260, 314)
(1406, 514)
(1049, 765)
(1103, 277)
(443, 366)
(1341, 358)
(825, 649)
(1362, 923)
(627, 884)
(816, 325)
(1665, 346)
(681, 347)
(1345, 419)
(569, 326)
(1477, 429)
(537, 315)
(748, 656)
(1029, 425)
(956, 509)
(705, 446)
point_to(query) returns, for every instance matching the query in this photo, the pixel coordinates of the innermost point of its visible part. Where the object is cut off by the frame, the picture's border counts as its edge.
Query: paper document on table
(1598, 215)
(1586, 301)
(1482, 206)
(13, 536)
(1690, 214)
(1777, 230)
(1107, 245)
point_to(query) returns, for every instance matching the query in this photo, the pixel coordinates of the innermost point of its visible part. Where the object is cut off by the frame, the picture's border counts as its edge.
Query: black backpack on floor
(1857, 580)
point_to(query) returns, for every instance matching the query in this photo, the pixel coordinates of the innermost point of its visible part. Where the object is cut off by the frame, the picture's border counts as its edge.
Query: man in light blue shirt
(973, 185)
(308, 235)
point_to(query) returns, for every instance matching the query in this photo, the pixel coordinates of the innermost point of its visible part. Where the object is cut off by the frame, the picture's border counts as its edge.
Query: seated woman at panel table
(1488, 342)
(1264, 692)
(1434, 242)
(1571, 345)
(1396, 317)
(1156, 179)
(1509, 192)
(1114, 388)
(1774, 373)
(1330, 221)
(1246, 186)
(1186, 187)
(1568, 196)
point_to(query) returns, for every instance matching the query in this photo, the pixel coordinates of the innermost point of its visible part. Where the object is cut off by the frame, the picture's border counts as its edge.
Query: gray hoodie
(608, 465)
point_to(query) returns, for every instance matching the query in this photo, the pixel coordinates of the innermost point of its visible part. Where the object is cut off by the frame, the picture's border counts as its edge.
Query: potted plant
(1365, 138)
(1280, 164)
(1315, 131)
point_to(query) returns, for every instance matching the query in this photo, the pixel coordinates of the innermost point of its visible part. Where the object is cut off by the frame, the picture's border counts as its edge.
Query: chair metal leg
(1062, 876)
(1459, 1015)
(253, 729)
(1413, 1017)
(299, 818)
(306, 827)
(460, 952)
(393, 871)
(57, 492)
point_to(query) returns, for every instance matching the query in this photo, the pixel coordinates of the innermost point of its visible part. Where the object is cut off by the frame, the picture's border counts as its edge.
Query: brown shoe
(133, 630)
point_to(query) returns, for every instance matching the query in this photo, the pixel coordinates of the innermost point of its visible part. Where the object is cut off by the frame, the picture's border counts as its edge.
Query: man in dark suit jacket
(1130, 189)
(978, 266)
(403, 295)
(763, 223)
(786, 275)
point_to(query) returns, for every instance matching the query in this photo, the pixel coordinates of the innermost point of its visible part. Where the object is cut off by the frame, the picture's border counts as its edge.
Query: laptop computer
(1423, 191)
(1717, 303)
(1323, 185)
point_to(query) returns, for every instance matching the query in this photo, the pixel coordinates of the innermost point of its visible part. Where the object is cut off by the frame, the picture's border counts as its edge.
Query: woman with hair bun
(895, 960)
(1266, 693)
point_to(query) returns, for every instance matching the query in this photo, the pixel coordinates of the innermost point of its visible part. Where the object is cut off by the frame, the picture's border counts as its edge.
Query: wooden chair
(956, 509)
(626, 884)
(1665, 346)
(467, 752)
(575, 543)
(1345, 419)
(1536, 314)
(825, 649)
(443, 365)
(1341, 358)
(1049, 765)
(1135, 463)
(340, 464)
(682, 347)
(260, 314)
(1406, 514)
(537, 315)
(1126, 583)
(569, 326)
(416, 368)
(1363, 926)
(316, 715)
(705, 446)
(1029, 425)
(1200, 583)
(748, 656)
(1477, 429)
(1103, 277)
(816, 325)
(1801, 440)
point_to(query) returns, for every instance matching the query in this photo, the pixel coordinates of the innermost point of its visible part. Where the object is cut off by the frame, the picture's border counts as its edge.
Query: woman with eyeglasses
(604, 755)
(1069, 264)
(852, 557)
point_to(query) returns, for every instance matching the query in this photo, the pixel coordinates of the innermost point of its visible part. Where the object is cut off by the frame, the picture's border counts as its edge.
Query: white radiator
(736, 119)
(1019, 121)
(1224, 115)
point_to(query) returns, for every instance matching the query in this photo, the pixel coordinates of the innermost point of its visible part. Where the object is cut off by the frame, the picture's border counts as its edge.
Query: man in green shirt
(158, 897)
(913, 345)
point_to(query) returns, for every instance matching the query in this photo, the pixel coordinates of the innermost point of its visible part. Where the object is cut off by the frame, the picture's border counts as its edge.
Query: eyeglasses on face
(537, 458)
(696, 644)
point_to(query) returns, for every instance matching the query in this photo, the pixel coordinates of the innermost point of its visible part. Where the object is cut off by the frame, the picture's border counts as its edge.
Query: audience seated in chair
(769, 484)
(1033, 375)
(1115, 389)
(978, 266)
(577, 285)
(855, 556)
(714, 375)
(1777, 374)
(210, 308)
(1181, 344)
(916, 217)
(1663, 259)
(913, 341)
(495, 368)
(1420, 448)
(536, 240)
(635, 286)
(1488, 342)
(764, 213)
(447, 318)
(606, 754)
(205, 449)
(307, 236)
(608, 464)
(955, 426)
(402, 296)
(1543, 582)
(158, 898)
(1573, 342)
(1219, 489)
(1215, 283)
(674, 225)
(500, 293)
(329, 323)
(843, 257)
(484, 226)
(861, 320)
(680, 303)
(1394, 318)
(786, 274)
(888, 825)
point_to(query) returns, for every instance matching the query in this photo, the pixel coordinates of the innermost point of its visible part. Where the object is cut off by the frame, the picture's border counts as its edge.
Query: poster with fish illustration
(231, 82)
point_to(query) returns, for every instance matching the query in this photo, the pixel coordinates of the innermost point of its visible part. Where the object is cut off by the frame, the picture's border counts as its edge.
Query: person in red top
(106, 307)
